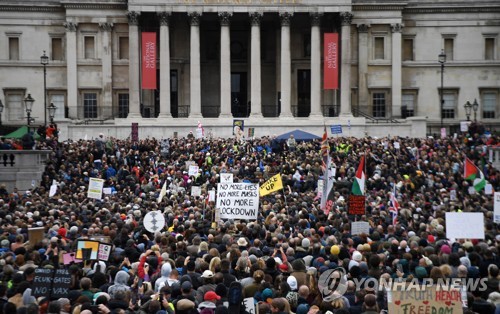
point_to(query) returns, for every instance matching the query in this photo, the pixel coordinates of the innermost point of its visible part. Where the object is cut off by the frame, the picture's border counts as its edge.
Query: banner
(425, 299)
(496, 211)
(95, 188)
(356, 205)
(135, 132)
(331, 62)
(238, 201)
(148, 60)
(455, 223)
(272, 185)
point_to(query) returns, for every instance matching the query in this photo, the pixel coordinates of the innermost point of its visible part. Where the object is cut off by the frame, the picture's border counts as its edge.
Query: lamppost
(442, 60)
(28, 102)
(475, 106)
(52, 112)
(468, 109)
(1, 110)
(44, 60)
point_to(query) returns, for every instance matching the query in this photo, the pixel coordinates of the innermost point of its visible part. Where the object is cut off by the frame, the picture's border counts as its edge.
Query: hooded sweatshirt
(121, 280)
(165, 273)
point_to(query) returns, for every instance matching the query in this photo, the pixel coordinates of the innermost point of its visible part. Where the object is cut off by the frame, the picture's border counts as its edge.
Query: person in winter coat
(165, 273)
(121, 280)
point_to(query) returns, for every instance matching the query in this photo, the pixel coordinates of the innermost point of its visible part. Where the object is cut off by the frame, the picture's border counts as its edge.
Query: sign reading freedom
(356, 205)
(238, 200)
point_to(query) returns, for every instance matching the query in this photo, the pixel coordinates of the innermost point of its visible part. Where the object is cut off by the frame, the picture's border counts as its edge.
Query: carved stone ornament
(315, 18)
(133, 17)
(363, 28)
(255, 18)
(286, 18)
(106, 27)
(225, 18)
(346, 18)
(70, 26)
(397, 28)
(164, 18)
(194, 18)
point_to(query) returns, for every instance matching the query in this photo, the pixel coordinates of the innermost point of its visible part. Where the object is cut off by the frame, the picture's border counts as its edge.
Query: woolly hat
(356, 256)
(306, 243)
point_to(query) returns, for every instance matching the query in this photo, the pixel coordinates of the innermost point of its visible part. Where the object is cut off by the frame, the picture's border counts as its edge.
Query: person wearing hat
(186, 294)
(208, 285)
(65, 305)
(209, 303)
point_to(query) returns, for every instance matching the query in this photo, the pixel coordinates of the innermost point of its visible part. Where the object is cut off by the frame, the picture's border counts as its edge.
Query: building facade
(259, 60)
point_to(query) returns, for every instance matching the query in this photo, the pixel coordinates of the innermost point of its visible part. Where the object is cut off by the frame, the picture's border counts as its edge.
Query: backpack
(235, 297)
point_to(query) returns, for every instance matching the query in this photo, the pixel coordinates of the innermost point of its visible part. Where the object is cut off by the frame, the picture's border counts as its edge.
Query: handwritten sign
(95, 188)
(238, 200)
(53, 283)
(193, 170)
(356, 205)
(359, 227)
(426, 299)
(496, 211)
(196, 191)
(455, 223)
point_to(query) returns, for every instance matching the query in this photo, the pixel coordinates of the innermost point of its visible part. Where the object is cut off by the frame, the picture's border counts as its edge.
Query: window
(408, 49)
(57, 49)
(489, 103)
(13, 48)
(59, 101)
(449, 104)
(15, 105)
(408, 105)
(89, 46)
(123, 48)
(306, 45)
(90, 105)
(379, 48)
(448, 48)
(489, 49)
(122, 105)
(379, 105)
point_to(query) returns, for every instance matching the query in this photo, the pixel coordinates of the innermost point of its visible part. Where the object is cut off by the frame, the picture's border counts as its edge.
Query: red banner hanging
(331, 63)
(148, 60)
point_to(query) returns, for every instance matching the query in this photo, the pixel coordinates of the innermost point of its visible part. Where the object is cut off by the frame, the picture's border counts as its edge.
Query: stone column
(107, 70)
(345, 74)
(225, 65)
(396, 69)
(71, 70)
(315, 65)
(255, 79)
(286, 66)
(194, 69)
(133, 68)
(164, 65)
(363, 67)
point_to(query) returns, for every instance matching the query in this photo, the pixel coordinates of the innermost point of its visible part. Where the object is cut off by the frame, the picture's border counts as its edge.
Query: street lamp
(475, 106)
(28, 102)
(1, 110)
(442, 60)
(52, 112)
(468, 109)
(44, 60)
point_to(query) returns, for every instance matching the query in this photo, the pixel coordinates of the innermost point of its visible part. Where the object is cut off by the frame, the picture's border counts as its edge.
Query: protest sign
(359, 227)
(102, 239)
(35, 235)
(249, 305)
(238, 200)
(226, 178)
(51, 283)
(196, 191)
(106, 191)
(53, 190)
(87, 244)
(425, 299)
(456, 222)
(95, 188)
(272, 185)
(356, 205)
(488, 189)
(496, 212)
(193, 170)
(69, 258)
(154, 221)
(211, 196)
(104, 252)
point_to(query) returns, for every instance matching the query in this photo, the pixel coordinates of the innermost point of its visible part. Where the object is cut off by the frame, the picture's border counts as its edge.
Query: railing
(99, 113)
(7, 158)
(358, 113)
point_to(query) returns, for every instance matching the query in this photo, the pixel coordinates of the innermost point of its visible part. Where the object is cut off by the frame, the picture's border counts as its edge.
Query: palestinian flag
(358, 186)
(472, 173)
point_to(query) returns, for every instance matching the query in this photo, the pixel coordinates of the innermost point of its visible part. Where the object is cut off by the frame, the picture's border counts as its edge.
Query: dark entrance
(174, 98)
(240, 108)
(303, 93)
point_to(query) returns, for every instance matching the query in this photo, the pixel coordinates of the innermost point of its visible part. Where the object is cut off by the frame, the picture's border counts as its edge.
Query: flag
(394, 209)
(163, 191)
(358, 186)
(272, 185)
(325, 151)
(472, 173)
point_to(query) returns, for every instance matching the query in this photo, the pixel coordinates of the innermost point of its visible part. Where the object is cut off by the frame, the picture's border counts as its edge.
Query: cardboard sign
(95, 188)
(87, 244)
(356, 205)
(359, 227)
(496, 211)
(35, 235)
(465, 225)
(193, 170)
(52, 283)
(238, 200)
(226, 178)
(425, 299)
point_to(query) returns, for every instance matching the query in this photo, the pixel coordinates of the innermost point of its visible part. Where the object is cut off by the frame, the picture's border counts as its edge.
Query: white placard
(193, 170)
(443, 132)
(453, 195)
(396, 145)
(465, 225)
(359, 227)
(104, 251)
(196, 191)
(464, 126)
(211, 196)
(95, 188)
(226, 178)
(154, 221)
(496, 211)
(249, 305)
(238, 200)
(199, 133)
(488, 189)
(472, 190)
(53, 190)
(106, 191)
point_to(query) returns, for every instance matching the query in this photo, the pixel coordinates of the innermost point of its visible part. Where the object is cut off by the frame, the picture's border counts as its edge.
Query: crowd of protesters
(191, 265)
